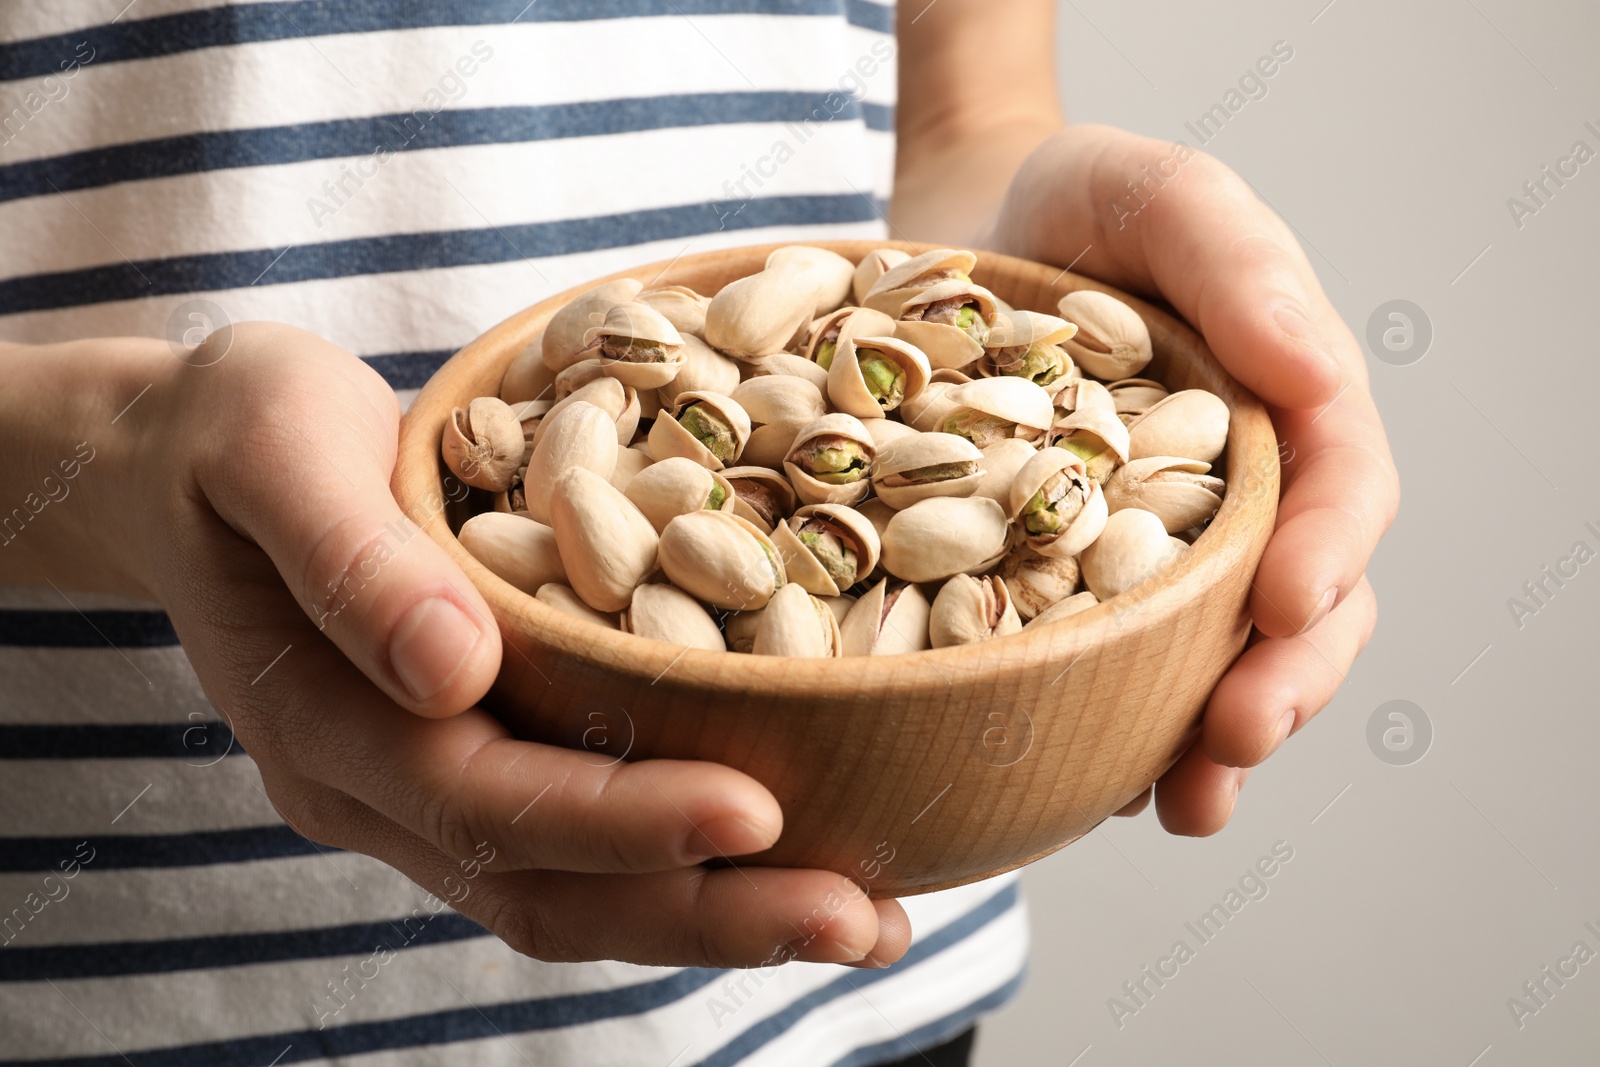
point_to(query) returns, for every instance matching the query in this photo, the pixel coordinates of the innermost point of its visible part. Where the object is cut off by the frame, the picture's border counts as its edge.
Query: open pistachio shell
(927, 411)
(1179, 492)
(761, 495)
(830, 332)
(943, 536)
(580, 435)
(637, 346)
(873, 266)
(1001, 462)
(910, 277)
(565, 337)
(1112, 341)
(949, 321)
(1026, 344)
(483, 444)
(785, 364)
(630, 462)
(665, 490)
(665, 613)
(1036, 581)
(925, 465)
(704, 370)
(827, 275)
(528, 377)
(968, 610)
(827, 548)
(721, 559)
(885, 430)
(682, 306)
(1064, 609)
(709, 428)
(1056, 507)
(756, 315)
(795, 623)
(872, 376)
(564, 600)
(1135, 396)
(989, 410)
(889, 619)
(1132, 547)
(607, 545)
(831, 461)
(516, 548)
(1192, 423)
(779, 406)
(1092, 431)
(619, 401)
(578, 375)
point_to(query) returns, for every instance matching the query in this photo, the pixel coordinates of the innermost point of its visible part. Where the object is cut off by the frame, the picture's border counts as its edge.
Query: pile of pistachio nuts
(828, 458)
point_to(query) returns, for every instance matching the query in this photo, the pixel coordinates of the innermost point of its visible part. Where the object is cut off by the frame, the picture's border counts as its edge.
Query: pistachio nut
(1038, 581)
(827, 548)
(577, 376)
(826, 275)
(873, 266)
(943, 536)
(1092, 432)
(529, 413)
(927, 411)
(630, 462)
(949, 321)
(1026, 344)
(1064, 609)
(756, 315)
(871, 376)
(892, 617)
(1057, 508)
(830, 332)
(564, 340)
(840, 605)
(709, 428)
(885, 430)
(761, 496)
(1135, 396)
(514, 500)
(906, 279)
(1179, 492)
(665, 490)
(721, 559)
(831, 461)
(517, 549)
(579, 435)
(991, 409)
(704, 370)
(779, 406)
(637, 346)
(786, 364)
(681, 305)
(665, 613)
(483, 444)
(564, 600)
(1001, 462)
(527, 377)
(1132, 547)
(878, 513)
(928, 464)
(795, 623)
(619, 401)
(739, 629)
(607, 545)
(1112, 341)
(1192, 423)
(968, 610)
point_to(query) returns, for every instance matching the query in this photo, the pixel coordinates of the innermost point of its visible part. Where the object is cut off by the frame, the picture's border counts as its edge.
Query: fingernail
(872, 961)
(728, 835)
(827, 950)
(1320, 612)
(1298, 329)
(429, 645)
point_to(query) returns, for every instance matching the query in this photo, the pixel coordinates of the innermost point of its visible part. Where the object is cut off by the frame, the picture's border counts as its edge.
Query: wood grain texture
(959, 763)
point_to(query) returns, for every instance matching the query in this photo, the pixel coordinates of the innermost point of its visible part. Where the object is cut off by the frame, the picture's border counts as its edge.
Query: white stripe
(63, 686)
(77, 798)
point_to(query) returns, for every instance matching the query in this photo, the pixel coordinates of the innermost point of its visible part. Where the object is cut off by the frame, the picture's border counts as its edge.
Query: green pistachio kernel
(886, 379)
(980, 428)
(711, 430)
(839, 464)
(716, 498)
(965, 316)
(836, 557)
(1043, 364)
(1039, 516)
(825, 353)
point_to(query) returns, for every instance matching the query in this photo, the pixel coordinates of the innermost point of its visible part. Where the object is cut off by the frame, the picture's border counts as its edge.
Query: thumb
(312, 490)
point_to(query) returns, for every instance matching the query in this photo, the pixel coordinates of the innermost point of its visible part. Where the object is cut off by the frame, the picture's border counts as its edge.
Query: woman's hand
(251, 497)
(1199, 238)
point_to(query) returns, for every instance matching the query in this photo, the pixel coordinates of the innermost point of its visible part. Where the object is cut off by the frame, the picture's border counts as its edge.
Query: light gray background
(1426, 895)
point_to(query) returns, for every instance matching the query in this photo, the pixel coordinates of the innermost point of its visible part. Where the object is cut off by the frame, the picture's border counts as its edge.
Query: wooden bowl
(907, 773)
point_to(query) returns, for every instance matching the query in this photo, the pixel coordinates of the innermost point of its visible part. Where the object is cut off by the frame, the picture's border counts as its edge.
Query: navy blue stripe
(167, 35)
(20, 963)
(197, 741)
(420, 251)
(89, 629)
(408, 370)
(133, 851)
(407, 132)
(933, 1034)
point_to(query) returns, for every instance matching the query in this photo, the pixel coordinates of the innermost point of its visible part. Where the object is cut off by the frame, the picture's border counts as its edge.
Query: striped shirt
(395, 175)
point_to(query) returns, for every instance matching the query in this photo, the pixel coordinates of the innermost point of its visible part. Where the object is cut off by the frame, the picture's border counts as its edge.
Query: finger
(1136, 805)
(1280, 684)
(1196, 797)
(305, 475)
(1340, 495)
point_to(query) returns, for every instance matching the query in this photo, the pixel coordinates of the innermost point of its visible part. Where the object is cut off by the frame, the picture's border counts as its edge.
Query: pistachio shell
(779, 406)
(669, 436)
(787, 364)
(1133, 547)
(1192, 424)
(607, 545)
(847, 384)
(1135, 396)
(947, 346)
(878, 513)
(1018, 340)
(520, 550)
(721, 559)
(630, 462)
(848, 431)
(739, 629)
(886, 621)
(528, 377)
(795, 623)
(1064, 609)
(664, 613)
(1112, 342)
(762, 496)
(665, 490)
(630, 322)
(1077, 503)
(681, 306)
(1179, 492)
(483, 444)
(1012, 328)
(943, 536)
(840, 605)
(756, 315)
(564, 335)
(564, 600)
(926, 465)
(1092, 431)
(842, 325)
(991, 409)
(580, 435)
(619, 401)
(805, 564)
(885, 430)
(968, 610)
(1001, 461)
(578, 375)
(704, 370)
(873, 265)
(827, 275)
(514, 500)
(910, 277)
(927, 411)
(1036, 581)
(529, 413)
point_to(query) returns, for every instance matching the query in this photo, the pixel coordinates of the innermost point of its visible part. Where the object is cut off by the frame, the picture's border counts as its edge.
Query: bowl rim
(1224, 547)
